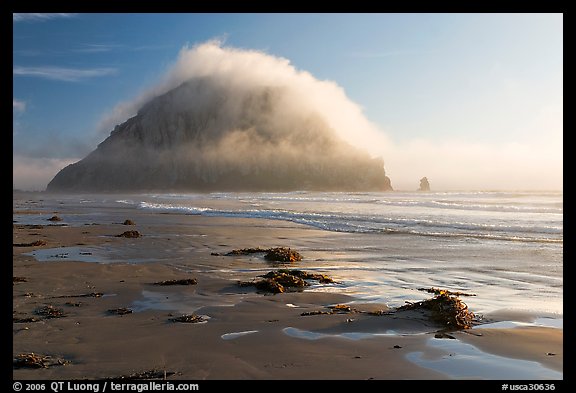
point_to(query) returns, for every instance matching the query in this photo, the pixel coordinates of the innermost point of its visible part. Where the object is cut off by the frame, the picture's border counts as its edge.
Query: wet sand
(248, 335)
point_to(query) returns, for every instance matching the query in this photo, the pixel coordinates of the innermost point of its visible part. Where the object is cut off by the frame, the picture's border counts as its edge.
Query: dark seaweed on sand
(287, 280)
(130, 234)
(316, 312)
(33, 360)
(49, 312)
(246, 251)
(120, 311)
(280, 281)
(337, 309)
(321, 278)
(148, 374)
(267, 285)
(91, 294)
(282, 254)
(379, 313)
(186, 281)
(277, 254)
(19, 279)
(34, 226)
(32, 244)
(446, 309)
(190, 318)
(438, 291)
(24, 320)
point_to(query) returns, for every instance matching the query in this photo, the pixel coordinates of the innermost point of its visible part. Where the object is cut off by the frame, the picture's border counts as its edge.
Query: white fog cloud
(33, 174)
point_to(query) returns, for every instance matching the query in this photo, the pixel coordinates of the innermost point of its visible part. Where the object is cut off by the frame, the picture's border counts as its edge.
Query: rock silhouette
(424, 184)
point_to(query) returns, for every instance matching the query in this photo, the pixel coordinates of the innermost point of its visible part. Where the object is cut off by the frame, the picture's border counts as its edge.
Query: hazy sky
(472, 101)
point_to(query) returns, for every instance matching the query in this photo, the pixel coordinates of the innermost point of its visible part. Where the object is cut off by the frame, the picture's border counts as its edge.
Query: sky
(471, 101)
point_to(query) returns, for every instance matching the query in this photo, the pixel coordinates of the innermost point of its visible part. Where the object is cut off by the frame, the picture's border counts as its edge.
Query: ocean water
(522, 217)
(504, 247)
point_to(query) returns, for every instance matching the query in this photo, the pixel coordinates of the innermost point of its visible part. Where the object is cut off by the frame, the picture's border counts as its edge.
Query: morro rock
(199, 137)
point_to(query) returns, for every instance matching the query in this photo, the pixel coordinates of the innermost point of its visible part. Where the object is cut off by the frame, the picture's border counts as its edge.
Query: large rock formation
(195, 137)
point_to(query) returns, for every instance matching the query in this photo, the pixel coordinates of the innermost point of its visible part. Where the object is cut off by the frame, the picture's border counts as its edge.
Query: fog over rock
(214, 132)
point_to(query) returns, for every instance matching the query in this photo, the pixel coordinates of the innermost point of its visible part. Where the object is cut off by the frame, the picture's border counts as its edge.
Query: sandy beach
(245, 334)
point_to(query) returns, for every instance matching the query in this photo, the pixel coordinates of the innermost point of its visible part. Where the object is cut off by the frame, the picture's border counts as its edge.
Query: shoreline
(248, 335)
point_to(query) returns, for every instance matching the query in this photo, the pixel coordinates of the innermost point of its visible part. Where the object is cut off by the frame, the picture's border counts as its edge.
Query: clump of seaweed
(280, 281)
(316, 312)
(148, 374)
(246, 251)
(90, 294)
(186, 281)
(19, 279)
(286, 279)
(378, 313)
(188, 318)
(49, 311)
(438, 291)
(24, 320)
(130, 234)
(341, 309)
(282, 254)
(269, 285)
(445, 308)
(128, 222)
(277, 254)
(54, 218)
(35, 226)
(120, 311)
(32, 244)
(337, 309)
(321, 278)
(32, 360)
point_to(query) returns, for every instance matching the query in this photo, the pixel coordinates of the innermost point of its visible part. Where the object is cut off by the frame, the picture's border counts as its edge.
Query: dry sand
(100, 345)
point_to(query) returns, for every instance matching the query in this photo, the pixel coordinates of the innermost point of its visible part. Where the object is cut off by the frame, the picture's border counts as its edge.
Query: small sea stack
(424, 184)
